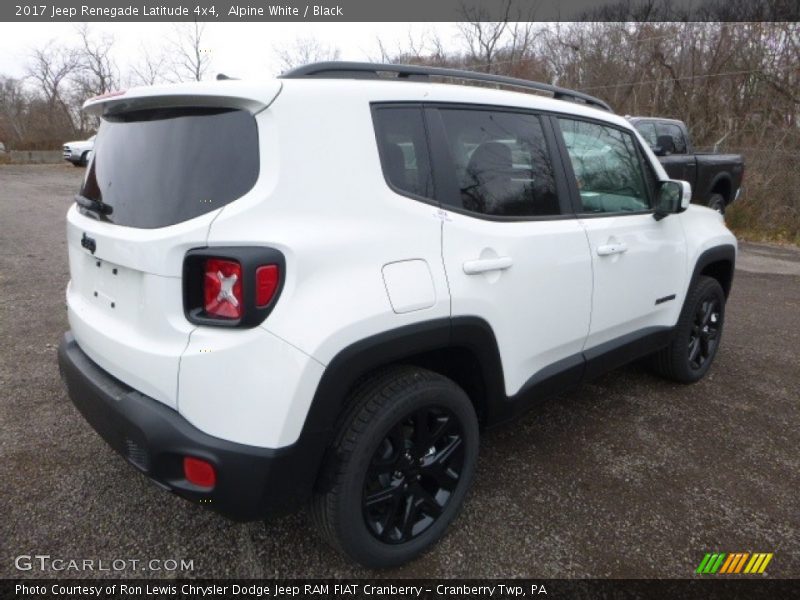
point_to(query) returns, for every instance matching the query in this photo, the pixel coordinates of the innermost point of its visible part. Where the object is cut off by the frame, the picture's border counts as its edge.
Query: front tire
(717, 202)
(697, 335)
(399, 469)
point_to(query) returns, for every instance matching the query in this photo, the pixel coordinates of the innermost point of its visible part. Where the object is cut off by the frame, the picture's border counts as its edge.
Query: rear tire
(399, 469)
(717, 202)
(697, 335)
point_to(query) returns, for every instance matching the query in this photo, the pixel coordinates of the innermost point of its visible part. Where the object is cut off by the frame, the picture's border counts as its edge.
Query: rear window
(160, 167)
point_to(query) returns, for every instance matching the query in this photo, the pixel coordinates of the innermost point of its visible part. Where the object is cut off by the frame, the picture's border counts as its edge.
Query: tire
(382, 460)
(697, 335)
(717, 202)
(84, 159)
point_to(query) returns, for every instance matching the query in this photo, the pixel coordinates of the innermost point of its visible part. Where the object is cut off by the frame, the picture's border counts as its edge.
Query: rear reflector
(222, 288)
(267, 278)
(199, 472)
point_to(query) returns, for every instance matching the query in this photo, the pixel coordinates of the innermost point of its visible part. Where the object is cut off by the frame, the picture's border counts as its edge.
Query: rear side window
(160, 167)
(648, 132)
(403, 148)
(502, 164)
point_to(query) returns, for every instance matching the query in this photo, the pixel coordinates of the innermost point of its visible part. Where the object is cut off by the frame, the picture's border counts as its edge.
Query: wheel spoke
(422, 432)
(706, 347)
(708, 309)
(390, 521)
(382, 496)
(445, 454)
(438, 468)
(694, 349)
(426, 501)
(443, 425)
(409, 518)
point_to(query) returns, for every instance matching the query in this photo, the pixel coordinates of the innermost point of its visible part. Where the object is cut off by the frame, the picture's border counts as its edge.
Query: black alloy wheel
(413, 474)
(400, 467)
(696, 338)
(704, 334)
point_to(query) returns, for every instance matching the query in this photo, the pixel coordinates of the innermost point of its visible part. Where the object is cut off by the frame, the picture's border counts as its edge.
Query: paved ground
(629, 476)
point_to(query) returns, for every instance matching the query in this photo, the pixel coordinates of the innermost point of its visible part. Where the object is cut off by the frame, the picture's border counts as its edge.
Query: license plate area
(111, 288)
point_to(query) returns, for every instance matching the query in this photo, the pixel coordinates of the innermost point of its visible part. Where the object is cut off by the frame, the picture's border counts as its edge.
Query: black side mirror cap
(673, 196)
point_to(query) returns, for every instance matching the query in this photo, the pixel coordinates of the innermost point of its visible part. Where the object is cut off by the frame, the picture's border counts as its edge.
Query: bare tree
(304, 51)
(98, 72)
(190, 58)
(483, 38)
(51, 67)
(150, 69)
(13, 109)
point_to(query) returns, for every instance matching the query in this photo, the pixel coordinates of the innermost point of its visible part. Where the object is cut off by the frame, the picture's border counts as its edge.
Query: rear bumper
(251, 482)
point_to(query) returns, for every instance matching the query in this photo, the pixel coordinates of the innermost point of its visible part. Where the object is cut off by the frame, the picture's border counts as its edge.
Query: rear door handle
(485, 265)
(608, 249)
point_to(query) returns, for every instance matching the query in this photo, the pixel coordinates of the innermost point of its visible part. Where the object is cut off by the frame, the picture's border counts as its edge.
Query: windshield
(160, 167)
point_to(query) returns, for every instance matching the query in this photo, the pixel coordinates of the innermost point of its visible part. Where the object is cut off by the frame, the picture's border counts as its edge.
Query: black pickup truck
(715, 178)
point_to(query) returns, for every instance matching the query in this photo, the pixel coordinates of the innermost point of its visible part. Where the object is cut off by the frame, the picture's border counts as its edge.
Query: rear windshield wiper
(93, 205)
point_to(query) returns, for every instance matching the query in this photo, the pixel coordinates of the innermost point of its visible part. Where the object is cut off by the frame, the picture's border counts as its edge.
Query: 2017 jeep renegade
(317, 288)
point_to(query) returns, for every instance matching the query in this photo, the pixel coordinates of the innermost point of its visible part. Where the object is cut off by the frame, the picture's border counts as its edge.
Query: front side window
(403, 149)
(676, 134)
(607, 166)
(502, 164)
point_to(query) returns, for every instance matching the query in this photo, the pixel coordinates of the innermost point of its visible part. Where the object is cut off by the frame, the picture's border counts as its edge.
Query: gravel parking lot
(629, 476)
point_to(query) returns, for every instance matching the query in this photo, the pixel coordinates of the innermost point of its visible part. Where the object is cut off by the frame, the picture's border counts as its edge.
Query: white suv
(318, 288)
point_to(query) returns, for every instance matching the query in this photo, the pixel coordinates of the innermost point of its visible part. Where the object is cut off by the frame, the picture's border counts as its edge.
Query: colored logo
(734, 563)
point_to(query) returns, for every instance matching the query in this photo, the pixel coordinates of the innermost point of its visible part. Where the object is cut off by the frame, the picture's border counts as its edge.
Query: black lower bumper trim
(251, 482)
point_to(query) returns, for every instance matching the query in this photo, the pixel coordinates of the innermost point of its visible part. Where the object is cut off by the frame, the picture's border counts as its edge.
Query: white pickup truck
(79, 153)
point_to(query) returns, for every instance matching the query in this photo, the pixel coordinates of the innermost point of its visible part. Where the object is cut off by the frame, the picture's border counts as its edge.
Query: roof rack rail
(362, 70)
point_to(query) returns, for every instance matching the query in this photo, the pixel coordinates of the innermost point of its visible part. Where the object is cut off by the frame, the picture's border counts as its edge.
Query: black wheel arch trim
(726, 177)
(725, 253)
(475, 335)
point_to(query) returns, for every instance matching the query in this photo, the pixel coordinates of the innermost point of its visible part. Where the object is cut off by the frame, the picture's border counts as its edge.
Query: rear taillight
(267, 278)
(231, 287)
(222, 289)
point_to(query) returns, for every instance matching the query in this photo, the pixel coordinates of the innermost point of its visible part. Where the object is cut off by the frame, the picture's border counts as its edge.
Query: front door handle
(608, 249)
(485, 265)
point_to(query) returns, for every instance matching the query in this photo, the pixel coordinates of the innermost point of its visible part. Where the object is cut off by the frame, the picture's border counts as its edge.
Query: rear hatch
(166, 162)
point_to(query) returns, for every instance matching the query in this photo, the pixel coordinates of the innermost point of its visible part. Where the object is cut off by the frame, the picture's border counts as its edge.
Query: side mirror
(673, 197)
(665, 145)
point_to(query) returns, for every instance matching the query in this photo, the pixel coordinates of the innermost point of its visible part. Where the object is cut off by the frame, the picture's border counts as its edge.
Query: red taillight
(222, 288)
(199, 472)
(267, 278)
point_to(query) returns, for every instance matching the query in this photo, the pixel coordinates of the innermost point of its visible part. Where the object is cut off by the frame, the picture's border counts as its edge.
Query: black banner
(402, 589)
(397, 10)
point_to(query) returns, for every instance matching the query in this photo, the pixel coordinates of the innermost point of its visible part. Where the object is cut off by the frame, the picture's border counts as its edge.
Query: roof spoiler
(234, 94)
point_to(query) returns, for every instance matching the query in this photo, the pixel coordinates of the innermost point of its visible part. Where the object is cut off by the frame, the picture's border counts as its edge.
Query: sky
(237, 49)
